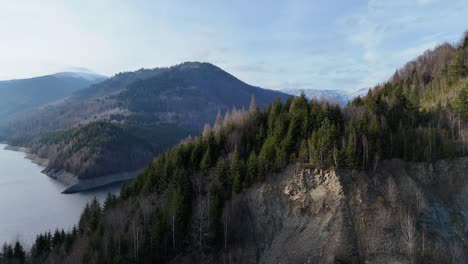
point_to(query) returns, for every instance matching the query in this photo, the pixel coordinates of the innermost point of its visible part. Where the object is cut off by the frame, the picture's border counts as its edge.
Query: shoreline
(72, 182)
(98, 182)
(28, 155)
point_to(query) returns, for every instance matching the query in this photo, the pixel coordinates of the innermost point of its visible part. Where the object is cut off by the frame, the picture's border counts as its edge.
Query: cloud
(78, 69)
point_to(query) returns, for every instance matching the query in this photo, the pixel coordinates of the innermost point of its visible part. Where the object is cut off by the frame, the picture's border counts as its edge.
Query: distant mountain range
(342, 97)
(23, 94)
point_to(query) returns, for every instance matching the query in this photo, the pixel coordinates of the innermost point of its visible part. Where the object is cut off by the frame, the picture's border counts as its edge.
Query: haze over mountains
(341, 97)
(25, 94)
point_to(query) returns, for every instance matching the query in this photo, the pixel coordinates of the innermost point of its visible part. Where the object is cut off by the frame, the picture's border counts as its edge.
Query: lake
(32, 203)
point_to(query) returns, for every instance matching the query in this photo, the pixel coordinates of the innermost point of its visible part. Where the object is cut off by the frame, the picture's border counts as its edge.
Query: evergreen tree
(205, 163)
(19, 254)
(304, 152)
(252, 167)
(216, 206)
(236, 172)
(181, 206)
(460, 104)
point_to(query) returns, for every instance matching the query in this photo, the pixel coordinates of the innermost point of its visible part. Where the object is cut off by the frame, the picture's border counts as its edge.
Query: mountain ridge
(144, 104)
(342, 97)
(19, 95)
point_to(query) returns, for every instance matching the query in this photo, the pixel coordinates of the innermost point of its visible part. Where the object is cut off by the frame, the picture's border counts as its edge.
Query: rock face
(401, 213)
(299, 217)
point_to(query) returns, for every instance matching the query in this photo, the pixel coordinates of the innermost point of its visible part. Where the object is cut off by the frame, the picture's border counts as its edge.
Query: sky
(347, 44)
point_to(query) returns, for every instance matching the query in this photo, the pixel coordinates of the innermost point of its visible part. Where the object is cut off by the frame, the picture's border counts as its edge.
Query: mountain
(25, 94)
(155, 108)
(90, 76)
(382, 180)
(342, 97)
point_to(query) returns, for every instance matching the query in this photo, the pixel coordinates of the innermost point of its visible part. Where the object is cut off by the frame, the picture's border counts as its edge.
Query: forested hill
(434, 79)
(210, 199)
(97, 149)
(159, 107)
(24, 94)
(193, 93)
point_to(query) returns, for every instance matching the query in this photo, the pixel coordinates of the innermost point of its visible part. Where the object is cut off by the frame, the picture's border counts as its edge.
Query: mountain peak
(194, 65)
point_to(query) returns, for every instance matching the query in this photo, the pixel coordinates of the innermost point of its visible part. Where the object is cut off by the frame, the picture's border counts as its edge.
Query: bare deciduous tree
(420, 201)
(391, 192)
(383, 216)
(408, 234)
(456, 253)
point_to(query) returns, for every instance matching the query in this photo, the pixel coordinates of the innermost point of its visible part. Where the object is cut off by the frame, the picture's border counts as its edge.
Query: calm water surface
(31, 202)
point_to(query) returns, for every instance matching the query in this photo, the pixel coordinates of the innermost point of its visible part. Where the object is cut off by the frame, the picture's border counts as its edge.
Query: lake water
(32, 203)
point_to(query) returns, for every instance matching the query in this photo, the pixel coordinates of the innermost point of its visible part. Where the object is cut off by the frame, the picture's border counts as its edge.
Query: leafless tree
(408, 234)
(226, 224)
(383, 216)
(202, 208)
(206, 130)
(391, 192)
(365, 152)
(423, 239)
(376, 161)
(253, 105)
(456, 253)
(135, 235)
(420, 201)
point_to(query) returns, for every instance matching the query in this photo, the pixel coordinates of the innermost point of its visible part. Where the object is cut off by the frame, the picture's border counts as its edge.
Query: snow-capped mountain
(341, 97)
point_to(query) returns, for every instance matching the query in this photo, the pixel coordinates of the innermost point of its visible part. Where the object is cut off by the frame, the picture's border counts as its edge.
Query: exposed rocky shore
(88, 184)
(74, 184)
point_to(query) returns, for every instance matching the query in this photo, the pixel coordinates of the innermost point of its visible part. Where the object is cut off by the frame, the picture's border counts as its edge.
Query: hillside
(93, 150)
(25, 94)
(160, 107)
(435, 78)
(235, 193)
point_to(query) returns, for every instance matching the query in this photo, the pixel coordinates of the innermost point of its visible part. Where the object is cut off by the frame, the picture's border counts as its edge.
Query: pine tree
(252, 167)
(236, 172)
(111, 199)
(19, 253)
(216, 205)
(179, 206)
(261, 169)
(304, 152)
(205, 163)
(460, 104)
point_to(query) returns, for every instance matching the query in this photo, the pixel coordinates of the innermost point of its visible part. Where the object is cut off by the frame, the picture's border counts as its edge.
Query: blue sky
(333, 44)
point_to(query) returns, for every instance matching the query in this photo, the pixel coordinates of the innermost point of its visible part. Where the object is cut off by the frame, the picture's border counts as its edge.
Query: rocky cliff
(401, 213)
